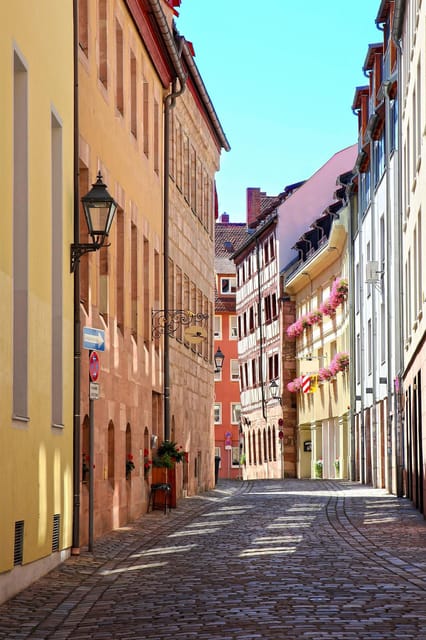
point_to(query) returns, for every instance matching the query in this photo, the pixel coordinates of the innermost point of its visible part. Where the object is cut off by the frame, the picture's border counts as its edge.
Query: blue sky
(281, 75)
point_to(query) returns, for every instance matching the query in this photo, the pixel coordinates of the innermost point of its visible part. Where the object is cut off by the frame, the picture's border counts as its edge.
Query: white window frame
(233, 327)
(234, 418)
(232, 285)
(217, 407)
(234, 370)
(217, 330)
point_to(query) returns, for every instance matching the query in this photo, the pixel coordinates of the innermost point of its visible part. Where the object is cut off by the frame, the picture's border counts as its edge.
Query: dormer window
(228, 285)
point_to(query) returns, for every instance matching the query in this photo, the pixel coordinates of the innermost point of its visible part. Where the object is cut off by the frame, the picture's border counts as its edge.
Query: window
(235, 412)
(235, 453)
(133, 96)
(119, 225)
(251, 319)
(83, 39)
(103, 42)
(217, 412)
(253, 372)
(146, 289)
(156, 137)
(233, 328)
(268, 313)
(134, 280)
(235, 372)
(228, 285)
(119, 54)
(145, 116)
(217, 327)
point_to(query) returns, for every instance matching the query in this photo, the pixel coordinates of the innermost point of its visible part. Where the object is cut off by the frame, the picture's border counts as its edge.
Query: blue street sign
(93, 339)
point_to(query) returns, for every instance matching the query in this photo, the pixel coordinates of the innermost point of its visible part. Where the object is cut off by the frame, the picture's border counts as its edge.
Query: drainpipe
(169, 103)
(352, 337)
(75, 548)
(399, 298)
(390, 321)
(363, 473)
(374, 359)
(259, 315)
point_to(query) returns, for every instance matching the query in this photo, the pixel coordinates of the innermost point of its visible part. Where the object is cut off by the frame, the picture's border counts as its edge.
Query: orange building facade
(227, 405)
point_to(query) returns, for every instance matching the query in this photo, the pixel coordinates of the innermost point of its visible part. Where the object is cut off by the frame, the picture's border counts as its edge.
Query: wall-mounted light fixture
(218, 360)
(99, 210)
(274, 390)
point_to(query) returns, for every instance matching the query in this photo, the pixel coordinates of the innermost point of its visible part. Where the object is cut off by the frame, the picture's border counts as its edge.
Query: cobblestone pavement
(275, 560)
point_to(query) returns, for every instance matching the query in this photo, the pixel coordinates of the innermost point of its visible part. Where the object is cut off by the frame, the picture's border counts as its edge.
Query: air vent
(56, 530)
(18, 552)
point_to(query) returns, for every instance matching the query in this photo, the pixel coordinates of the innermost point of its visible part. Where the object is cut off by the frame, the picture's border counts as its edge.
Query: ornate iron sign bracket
(169, 320)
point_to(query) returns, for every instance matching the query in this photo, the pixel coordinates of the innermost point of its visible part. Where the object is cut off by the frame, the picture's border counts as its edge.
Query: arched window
(254, 448)
(249, 448)
(111, 452)
(265, 449)
(274, 443)
(269, 444)
(259, 444)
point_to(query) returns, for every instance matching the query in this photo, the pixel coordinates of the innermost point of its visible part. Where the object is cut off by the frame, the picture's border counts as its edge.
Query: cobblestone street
(268, 559)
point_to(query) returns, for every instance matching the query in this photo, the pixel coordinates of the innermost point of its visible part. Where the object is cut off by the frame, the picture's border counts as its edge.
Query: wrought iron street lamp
(99, 210)
(274, 389)
(218, 360)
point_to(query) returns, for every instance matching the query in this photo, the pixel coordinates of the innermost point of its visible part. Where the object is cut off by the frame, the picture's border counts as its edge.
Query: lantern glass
(218, 359)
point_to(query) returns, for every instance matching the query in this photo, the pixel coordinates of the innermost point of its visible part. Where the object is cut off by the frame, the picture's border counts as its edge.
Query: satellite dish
(195, 335)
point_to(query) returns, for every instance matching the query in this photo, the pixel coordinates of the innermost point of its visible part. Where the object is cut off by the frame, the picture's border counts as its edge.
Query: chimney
(224, 218)
(253, 205)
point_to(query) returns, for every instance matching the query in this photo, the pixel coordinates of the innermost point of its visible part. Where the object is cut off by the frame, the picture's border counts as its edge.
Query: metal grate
(56, 530)
(18, 552)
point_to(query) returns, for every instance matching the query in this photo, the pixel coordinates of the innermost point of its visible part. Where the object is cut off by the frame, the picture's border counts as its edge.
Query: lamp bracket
(80, 249)
(168, 320)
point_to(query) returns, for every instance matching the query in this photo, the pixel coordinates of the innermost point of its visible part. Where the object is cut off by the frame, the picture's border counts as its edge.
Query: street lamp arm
(80, 249)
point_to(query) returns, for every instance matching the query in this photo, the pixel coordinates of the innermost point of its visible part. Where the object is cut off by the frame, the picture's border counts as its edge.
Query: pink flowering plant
(339, 364)
(338, 295)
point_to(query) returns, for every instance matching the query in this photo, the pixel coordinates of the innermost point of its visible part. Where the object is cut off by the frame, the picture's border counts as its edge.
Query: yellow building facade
(36, 111)
(321, 329)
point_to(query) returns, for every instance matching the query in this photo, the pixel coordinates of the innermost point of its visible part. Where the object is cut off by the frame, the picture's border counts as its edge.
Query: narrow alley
(275, 560)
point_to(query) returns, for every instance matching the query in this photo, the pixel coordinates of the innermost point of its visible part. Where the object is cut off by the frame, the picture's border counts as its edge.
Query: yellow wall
(36, 458)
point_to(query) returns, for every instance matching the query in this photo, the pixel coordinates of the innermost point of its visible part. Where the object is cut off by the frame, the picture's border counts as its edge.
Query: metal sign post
(94, 368)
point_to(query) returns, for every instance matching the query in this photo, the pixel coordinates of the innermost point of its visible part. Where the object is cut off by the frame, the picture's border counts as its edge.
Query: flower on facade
(147, 463)
(314, 317)
(295, 329)
(338, 295)
(327, 309)
(324, 374)
(295, 385)
(130, 465)
(342, 360)
(339, 292)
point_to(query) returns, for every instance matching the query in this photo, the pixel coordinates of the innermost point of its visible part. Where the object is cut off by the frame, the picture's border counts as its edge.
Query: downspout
(374, 359)
(175, 54)
(399, 347)
(259, 315)
(363, 473)
(75, 548)
(352, 337)
(389, 288)
(169, 103)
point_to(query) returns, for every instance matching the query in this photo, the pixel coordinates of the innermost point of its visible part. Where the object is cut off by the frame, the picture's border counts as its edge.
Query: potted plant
(168, 454)
(318, 468)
